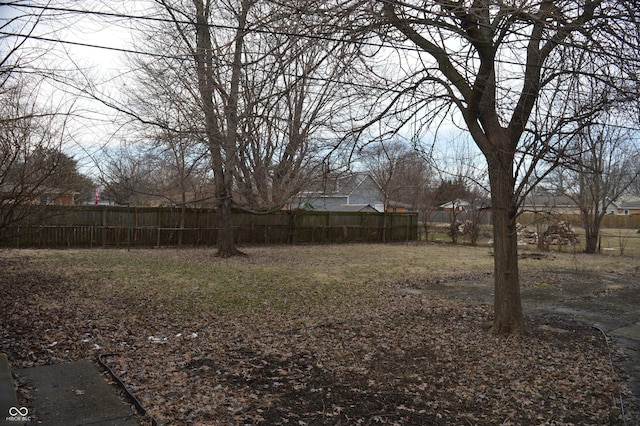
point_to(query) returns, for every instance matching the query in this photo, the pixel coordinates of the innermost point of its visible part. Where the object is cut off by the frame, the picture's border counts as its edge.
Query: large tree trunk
(217, 139)
(591, 241)
(507, 303)
(592, 231)
(225, 242)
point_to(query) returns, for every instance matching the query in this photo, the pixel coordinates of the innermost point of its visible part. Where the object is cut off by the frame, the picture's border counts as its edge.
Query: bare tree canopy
(606, 163)
(243, 86)
(515, 75)
(33, 169)
(401, 172)
(34, 128)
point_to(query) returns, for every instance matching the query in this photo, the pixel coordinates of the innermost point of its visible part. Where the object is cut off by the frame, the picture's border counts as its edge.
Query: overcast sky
(96, 36)
(72, 42)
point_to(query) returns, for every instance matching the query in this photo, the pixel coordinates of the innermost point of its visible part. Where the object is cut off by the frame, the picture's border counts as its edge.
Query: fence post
(327, 229)
(159, 228)
(104, 226)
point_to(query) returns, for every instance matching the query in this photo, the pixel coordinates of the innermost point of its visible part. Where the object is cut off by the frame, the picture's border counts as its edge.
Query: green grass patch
(620, 242)
(300, 281)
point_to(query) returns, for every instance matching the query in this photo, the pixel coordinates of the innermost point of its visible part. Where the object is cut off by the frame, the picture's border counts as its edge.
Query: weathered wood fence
(528, 218)
(609, 221)
(108, 226)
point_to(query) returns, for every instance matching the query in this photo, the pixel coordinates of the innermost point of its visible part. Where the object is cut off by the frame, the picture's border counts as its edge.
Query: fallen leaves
(407, 360)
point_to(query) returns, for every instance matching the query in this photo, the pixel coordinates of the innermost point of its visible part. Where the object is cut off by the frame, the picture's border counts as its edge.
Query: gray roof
(628, 202)
(356, 208)
(337, 185)
(548, 201)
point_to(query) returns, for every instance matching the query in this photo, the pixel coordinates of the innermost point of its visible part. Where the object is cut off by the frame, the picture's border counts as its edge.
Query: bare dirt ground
(419, 355)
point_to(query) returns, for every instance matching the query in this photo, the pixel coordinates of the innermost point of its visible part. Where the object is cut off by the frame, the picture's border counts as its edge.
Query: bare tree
(161, 155)
(242, 79)
(507, 71)
(166, 172)
(399, 172)
(33, 168)
(452, 194)
(634, 188)
(605, 166)
(32, 165)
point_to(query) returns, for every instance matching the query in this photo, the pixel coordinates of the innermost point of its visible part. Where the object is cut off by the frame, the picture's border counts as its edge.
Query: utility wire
(349, 40)
(210, 25)
(188, 57)
(94, 46)
(234, 28)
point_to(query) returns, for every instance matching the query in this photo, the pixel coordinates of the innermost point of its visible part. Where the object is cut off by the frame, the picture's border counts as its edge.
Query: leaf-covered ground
(296, 351)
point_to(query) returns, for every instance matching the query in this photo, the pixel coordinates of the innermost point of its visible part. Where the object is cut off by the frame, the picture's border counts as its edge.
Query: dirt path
(607, 301)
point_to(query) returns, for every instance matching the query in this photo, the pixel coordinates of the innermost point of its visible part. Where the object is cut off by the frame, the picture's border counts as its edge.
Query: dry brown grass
(307, 335)
(284, 278)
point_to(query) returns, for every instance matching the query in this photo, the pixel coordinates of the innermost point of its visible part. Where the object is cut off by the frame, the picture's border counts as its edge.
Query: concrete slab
(76, 394)
(10, 411)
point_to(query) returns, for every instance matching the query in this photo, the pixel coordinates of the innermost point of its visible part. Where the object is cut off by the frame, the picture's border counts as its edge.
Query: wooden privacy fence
(609, 221)
(91, 226)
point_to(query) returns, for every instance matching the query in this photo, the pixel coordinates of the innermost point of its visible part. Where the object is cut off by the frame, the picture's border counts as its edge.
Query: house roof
(338, 186)
(538, 200)
(455, 203)
(356, 208)
(22, 188)
(627, 202)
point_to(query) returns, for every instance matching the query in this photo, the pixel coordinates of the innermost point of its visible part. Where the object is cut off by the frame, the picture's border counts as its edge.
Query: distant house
(625, 205)
(561, 204)
(458, 206)
(61, 198)
(398, 207)
(25, 194)
(550, 204)
(354, 192)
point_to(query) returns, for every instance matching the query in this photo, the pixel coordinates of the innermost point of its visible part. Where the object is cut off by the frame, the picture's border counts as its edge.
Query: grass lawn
(613, 242)
(620, 241)
(307, 335)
